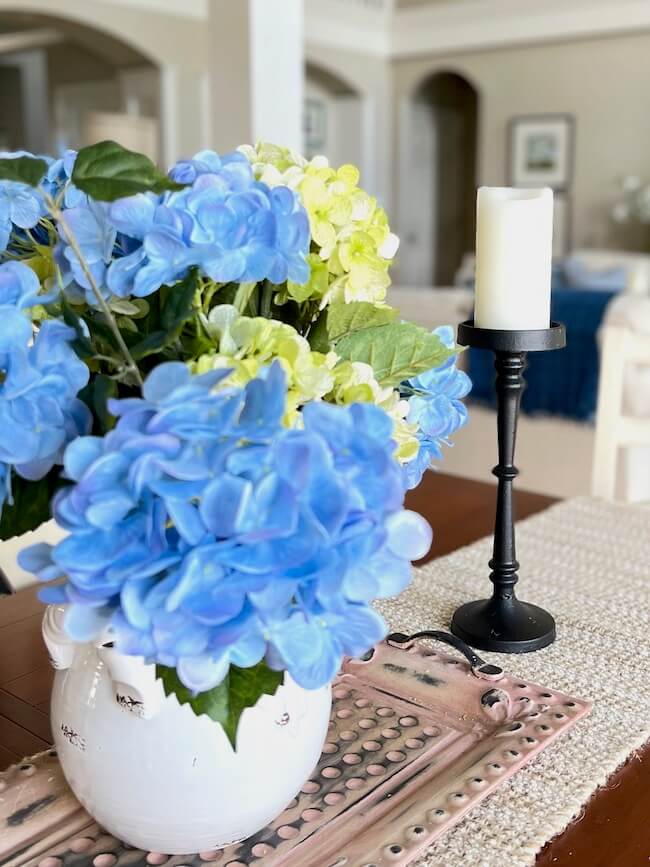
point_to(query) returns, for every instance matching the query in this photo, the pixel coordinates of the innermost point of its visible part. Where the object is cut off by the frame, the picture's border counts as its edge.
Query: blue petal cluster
(21, 206)
(230, 226)
(59, 179)
(89, 223)
(204, 533)
(436, 407)
(39, 409)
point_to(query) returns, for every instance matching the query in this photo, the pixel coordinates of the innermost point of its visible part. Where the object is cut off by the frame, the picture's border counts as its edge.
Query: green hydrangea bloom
(247, 344)
(352, 242)
(354, 382)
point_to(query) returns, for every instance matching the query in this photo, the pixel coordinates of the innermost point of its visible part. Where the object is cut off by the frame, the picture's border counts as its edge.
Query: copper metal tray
(417, 738)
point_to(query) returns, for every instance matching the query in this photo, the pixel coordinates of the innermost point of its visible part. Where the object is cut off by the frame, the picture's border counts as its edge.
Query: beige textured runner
(588, 562)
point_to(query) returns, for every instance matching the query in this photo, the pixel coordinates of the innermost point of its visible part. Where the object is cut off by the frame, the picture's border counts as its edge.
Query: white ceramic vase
(160, 778)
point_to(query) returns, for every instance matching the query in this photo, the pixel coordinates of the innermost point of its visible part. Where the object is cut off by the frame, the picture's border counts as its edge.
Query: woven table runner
(588, 562)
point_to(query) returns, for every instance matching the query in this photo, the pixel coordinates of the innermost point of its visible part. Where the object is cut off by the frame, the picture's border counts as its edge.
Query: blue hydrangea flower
(436, 407)
(21, 206)
(246, 235)
(206, 162)
(203, 533)
(225, 222)
(58, 178)
(158, 237)
(39, 409)
(95, 235)
(20, 287)
(95, 232)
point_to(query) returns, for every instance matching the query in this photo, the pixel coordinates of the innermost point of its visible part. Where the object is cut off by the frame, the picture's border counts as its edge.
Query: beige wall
(369, 77)
(342, 125)
(603, 82)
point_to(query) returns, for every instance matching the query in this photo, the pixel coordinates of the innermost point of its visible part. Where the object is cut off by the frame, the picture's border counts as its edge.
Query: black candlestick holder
(504, 623)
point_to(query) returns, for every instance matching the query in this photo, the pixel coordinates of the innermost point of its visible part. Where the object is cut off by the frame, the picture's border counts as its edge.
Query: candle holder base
(504, 625)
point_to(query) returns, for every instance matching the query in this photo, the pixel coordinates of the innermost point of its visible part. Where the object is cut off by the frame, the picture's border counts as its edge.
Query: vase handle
(134, 683)
(59, 645)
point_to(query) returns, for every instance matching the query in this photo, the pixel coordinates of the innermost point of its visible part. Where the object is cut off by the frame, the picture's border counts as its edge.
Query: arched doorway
(333, 117)
(64, 84)
(441, 177)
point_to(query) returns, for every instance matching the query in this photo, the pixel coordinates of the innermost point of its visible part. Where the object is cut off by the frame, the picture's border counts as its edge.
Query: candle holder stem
(509, 388)
(503, 622)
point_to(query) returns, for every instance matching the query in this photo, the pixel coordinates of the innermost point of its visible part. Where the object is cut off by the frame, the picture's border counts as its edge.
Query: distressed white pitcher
(154, 774)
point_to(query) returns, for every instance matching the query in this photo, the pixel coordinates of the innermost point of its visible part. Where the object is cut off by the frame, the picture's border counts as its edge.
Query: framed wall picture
(315, 125)
(540, 150)
(561, 225)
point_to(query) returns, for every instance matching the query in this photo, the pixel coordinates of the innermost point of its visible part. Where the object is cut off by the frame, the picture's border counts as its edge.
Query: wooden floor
(462, 510)
(614, 830)
(25, 679)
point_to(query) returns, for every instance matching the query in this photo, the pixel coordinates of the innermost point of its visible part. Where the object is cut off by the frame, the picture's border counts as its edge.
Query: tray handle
(480, 668)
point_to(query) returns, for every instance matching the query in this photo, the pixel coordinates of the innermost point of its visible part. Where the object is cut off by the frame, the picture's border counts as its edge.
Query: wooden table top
(612, 831)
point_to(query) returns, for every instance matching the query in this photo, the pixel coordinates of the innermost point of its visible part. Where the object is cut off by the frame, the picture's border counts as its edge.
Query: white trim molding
(24, 40)
(381, 29)
(197, 9)
(483, 24)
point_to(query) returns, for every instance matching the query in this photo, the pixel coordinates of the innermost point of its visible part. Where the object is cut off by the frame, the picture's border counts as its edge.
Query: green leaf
(395, 352)
(125, 323)
(25, 170)
(343, 319)
(31, 505)
(213, 703)
(96, 395)
(107, 171)
(246, 687)
(241, 688)
(339, 320)
(177, 308)
(136, 308)
(102, 339)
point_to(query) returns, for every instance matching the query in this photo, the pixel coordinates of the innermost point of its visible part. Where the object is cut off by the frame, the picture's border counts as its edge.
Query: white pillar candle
(514, 247)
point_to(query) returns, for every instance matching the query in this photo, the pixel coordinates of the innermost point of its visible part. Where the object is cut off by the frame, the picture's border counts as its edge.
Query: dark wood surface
(613, 830)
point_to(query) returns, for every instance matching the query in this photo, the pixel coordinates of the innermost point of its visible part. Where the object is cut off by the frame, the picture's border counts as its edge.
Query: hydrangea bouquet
(202, 382)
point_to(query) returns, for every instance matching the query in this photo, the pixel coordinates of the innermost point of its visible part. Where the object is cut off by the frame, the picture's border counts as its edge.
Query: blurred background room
(431, 98)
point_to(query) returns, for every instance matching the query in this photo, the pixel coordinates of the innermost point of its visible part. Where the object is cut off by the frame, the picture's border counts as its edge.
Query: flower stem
(209, 289)
(266, 300)
(243, 296)
(57, 214)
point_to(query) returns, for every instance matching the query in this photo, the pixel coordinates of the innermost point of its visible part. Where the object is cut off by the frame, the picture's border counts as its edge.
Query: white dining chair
(616, 427)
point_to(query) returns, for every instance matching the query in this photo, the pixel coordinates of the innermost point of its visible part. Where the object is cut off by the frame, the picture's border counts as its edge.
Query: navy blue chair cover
(564, 382)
